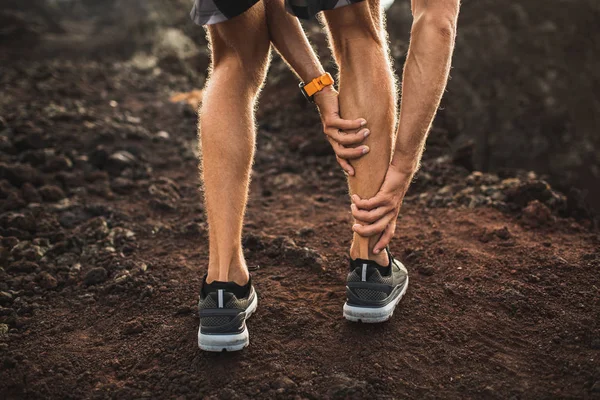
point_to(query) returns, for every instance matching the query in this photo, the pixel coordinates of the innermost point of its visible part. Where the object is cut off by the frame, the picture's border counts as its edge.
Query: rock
(426, 270)
(537, 214)
(46, 280)
(24, 222)
(5, 298)
(95, 276)
(73, 217)
(253, 242)
(9, 242)
(133, 327)
(503, 233)
(19, 174)
(3, 329)
(122, 185)
(287, 180)
(57, 163)
(184, 310)
(22, 267)
(526, 192)
(173, 43)
(94, 229)
(30, 194)
(118, 161)
(28, 251)
(305, 232)
(194, 229)
(164, 194)
(163, 135)
(51, 193)
(283, 382)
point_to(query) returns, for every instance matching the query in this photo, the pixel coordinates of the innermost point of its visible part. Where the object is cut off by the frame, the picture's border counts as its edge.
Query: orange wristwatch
(315, 86)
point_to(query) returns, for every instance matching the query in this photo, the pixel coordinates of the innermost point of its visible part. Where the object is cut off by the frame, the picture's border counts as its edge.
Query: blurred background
(524, 89)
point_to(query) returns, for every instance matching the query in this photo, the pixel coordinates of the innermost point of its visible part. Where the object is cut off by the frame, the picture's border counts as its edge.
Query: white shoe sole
(233, 342)
(373, 315)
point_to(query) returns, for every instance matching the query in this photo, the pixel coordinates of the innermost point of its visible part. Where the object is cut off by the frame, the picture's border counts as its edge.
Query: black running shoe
(224, 308)
(373, 291)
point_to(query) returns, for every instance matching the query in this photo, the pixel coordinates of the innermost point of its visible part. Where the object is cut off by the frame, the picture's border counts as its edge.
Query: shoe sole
(232, 342)
(370, 315)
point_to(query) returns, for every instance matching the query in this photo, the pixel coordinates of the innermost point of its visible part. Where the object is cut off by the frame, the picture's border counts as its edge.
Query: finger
(368, 216)
(347, 139)
(349, 153)
(345, 166)
(344, 124)
(385, 239)
(369, 204)
(372, 229)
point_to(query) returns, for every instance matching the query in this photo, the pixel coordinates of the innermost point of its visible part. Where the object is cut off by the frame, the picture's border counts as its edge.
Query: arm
(289, 39)
(425, 76)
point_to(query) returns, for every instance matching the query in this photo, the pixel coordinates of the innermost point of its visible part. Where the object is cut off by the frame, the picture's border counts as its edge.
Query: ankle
(237, 273)
(382, 258)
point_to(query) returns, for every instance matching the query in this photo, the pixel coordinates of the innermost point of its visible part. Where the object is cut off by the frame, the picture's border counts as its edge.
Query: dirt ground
(104, 244)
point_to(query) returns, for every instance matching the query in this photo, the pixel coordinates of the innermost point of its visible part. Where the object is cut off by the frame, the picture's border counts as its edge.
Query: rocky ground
(103, 246)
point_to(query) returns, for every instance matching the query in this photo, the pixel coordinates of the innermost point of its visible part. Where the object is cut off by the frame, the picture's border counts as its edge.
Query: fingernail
(376, 251)
(355, 226)
(367, 133)
(353, 206)
(363, 122)
(365, 149)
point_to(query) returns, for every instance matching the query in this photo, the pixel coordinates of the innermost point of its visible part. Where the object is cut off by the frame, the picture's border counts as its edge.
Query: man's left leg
(240, 54)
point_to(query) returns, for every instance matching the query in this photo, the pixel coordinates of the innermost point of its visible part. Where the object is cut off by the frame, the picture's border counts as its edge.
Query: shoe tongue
(232, 287)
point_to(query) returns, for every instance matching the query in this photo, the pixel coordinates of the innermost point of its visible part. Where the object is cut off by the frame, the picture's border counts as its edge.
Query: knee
(436, 16)
(353, 24)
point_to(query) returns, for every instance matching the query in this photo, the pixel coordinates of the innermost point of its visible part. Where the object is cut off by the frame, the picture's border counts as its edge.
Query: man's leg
(367, 89)
(240, 56)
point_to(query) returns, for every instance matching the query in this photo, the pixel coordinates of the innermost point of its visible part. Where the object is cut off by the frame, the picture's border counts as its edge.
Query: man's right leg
(240, 56)
(367, 89)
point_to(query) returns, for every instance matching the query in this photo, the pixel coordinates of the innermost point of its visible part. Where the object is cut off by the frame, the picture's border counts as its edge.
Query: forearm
(291, 43)
(425, 75)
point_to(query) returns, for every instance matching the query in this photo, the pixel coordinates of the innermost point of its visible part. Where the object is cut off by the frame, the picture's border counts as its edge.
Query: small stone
(72, 218)
(503, 233)
(306, 232)
(51, 193)
(95, 276)
(283, 382)
(46, 280)
(122, 185)
(426, 270)
(5, 298)
(163, 135)
(22, 266)
(30, 194)
(183, 310)
(537, 214)
(3, 329)
(120, 160)
(133, 327)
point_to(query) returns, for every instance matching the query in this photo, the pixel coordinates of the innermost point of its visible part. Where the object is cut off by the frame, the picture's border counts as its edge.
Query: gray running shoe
(224, 308)
(373, 291)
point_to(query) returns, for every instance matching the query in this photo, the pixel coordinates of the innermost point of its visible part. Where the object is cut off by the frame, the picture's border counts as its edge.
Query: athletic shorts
(208, 12)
